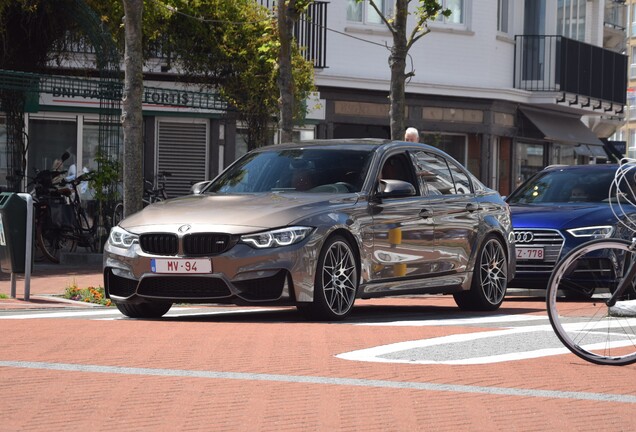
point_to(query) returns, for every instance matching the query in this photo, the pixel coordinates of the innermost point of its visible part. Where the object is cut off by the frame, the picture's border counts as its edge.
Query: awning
(590, 150)
(562, 128)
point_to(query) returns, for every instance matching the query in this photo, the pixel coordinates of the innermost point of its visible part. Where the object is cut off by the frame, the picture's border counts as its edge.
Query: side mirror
(197, 188)
(395, 189)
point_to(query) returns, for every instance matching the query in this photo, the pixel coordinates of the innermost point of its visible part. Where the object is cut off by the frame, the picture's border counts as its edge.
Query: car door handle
(425, 214)
(471, 207)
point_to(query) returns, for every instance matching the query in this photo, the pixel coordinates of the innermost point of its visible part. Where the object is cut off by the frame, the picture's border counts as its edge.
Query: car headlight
(121, 238)
(592, 232)
(276, 238)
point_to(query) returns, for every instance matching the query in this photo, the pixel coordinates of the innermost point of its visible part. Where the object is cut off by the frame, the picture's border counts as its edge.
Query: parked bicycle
(61, 222)
(153, 192)
(601, 326)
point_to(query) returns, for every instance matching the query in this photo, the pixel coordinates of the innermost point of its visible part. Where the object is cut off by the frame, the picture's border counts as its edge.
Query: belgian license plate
(181, 265)
(529, 253)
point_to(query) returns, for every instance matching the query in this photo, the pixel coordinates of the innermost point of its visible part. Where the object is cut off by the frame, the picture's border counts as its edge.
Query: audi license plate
(529, 253)
(180, 265)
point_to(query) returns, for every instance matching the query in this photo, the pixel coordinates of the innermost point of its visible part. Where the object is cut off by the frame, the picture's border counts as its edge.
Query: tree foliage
(235, 47)
(28, 31)
(230, 46)
(403, 40)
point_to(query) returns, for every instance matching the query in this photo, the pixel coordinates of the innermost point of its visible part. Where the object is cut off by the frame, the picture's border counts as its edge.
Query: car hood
(561, 216)
(235, 214)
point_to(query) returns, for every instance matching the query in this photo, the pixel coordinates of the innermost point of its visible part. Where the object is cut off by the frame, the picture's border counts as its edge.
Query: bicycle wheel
(589, 327)
(85, 233)
(49, 241)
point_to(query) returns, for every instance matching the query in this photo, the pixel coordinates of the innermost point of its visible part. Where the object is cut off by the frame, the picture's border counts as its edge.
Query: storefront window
(530, 159)
(454, 145)
(48, 140)
(563, 154)
(90, 144)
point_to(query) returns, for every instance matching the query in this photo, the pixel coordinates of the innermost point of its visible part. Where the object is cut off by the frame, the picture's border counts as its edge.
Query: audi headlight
(593, 232)
(276, 238)
(121, 238)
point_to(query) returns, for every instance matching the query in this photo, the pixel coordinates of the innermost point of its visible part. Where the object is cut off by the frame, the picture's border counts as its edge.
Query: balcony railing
(615, 15)
(558, 64)
(310, 31)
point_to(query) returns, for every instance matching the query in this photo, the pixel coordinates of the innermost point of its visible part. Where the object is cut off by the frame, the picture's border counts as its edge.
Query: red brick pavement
(285, 345)
(44, 399)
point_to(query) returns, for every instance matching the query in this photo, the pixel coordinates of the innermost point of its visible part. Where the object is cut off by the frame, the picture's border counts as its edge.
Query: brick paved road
(228, 369)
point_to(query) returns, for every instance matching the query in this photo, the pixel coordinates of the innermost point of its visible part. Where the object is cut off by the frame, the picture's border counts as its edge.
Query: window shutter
(182, 151)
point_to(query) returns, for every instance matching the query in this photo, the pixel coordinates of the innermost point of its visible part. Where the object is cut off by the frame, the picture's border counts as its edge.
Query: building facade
(505, 86)
(627, 134)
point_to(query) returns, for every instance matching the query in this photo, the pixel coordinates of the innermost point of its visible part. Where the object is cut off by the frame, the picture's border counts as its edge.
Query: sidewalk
(48, 283)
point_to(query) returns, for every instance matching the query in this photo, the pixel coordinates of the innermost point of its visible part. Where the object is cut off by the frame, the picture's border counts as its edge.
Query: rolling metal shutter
(182, 151)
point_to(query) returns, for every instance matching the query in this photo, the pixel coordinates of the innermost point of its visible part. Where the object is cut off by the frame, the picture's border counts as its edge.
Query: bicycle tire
(48, 242)
(588, 327)
(85, 233)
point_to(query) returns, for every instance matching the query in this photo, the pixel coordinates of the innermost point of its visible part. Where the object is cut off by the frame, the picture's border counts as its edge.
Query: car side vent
(159, 244)
(205, 244)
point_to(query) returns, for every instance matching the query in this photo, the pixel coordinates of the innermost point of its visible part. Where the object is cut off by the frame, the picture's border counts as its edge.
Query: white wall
(476, 61)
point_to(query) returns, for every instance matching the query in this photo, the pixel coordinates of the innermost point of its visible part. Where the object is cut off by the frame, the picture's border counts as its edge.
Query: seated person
(303, 179)
(391, 170)
(578, 194)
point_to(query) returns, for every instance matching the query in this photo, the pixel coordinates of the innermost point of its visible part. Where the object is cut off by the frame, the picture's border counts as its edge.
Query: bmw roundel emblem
(184, 228)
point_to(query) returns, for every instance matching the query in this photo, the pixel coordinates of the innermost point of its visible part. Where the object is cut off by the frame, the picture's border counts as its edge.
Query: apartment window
(365, 13)
(632, 66)
(503, 15)
(458, 12)
(632, 20)
(571, 19)
(631, 144)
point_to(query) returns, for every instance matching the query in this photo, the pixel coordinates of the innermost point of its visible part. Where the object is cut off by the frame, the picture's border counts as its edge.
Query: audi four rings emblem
(523, 236)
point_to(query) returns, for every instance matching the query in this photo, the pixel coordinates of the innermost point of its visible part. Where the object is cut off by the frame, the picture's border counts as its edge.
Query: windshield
(290, 170)
(565, 186)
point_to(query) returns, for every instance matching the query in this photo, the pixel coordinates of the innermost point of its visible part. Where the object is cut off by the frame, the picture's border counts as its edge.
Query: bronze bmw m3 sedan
(317, 225)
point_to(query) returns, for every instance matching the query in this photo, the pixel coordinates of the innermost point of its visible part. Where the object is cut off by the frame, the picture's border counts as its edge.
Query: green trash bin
(13, 213)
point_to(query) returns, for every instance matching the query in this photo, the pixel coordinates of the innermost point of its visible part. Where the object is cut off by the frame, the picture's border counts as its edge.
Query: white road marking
(322, 380)
(459, 321)
(488, 339)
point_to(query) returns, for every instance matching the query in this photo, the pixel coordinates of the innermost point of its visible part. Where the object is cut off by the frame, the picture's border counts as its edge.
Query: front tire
(590, 328)
(336, 282)
(490, 279)
(144, 310)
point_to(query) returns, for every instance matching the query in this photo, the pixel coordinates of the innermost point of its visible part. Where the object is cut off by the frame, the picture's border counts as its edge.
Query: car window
(397, 167)
(565, 186)
(295, 170)
(438, 176)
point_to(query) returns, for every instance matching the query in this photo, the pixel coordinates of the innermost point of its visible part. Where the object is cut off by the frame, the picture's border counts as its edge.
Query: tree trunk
(397, 63)
(286, 18)
(132, 108)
